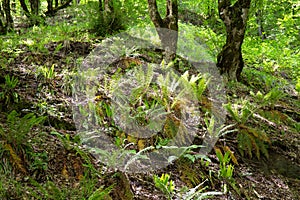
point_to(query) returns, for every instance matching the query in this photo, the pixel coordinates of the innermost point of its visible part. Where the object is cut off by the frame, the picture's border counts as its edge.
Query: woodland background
(257, 52)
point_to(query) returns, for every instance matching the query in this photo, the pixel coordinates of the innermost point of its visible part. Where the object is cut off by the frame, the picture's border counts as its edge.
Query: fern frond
(261, 148)
(232, 156)
(232, 111)
(245, 143)
(250, 139)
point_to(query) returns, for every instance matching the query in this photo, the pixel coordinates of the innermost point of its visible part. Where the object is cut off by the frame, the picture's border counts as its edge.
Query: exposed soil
(276, 177)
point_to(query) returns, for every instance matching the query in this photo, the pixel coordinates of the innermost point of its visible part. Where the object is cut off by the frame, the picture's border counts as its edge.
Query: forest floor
(67, 170)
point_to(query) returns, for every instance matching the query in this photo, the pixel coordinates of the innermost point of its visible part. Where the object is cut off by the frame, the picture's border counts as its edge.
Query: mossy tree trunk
(230, 60)
(167, 27)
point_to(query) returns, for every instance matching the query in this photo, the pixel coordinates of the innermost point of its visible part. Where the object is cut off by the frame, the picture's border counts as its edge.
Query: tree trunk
(8, 16)
(2, 27)
(2, 16)
(50, 7)
(51, 12)
(14, 6)
(259, 21)
(108, 6)
(167, 28)
(101, 8)
(1, 12)
(34, 5)
(25, 8)
(230, 60)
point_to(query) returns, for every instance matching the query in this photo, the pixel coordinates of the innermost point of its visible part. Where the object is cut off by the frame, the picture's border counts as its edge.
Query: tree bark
(14, 6)
(230, 60)
(25, 8)
(52, 12)
(2, 27)
(50, 7)
(101, 8)
(259, 21)
(1, 12)
(167, 28)
(108, 6)
(8, 16)
(34, 5)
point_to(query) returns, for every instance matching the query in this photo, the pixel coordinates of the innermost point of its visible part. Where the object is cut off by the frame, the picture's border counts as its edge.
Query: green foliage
(164, 183)
(68, 80)
(161, 142)
(32, 42)
(197, 83)
(220, 131)
(210, 41)
(269, 99)
(15, 140)
(8, 93)
(136, 13)
(298, 85)
(101, 193)
(198, 192)
(66, 140)
(193, 156)
(39, 161)
(105, 23)
(226, 169)
(87, 189)
(205, 8)
(266, 60)
(10, 187)
(278, 53)
(18, 128)
(250, 139)
(47, 74)
(115, 158)
(240, 113)
(104, 113)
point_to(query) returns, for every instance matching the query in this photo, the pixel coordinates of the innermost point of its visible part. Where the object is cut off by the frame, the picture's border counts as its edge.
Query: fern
(8, 92)
(101, 193)
(15, 136)
(240, 113)
(198, 192)
(19, 128)
(164, 183)
(250, 140)
(245, 144)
